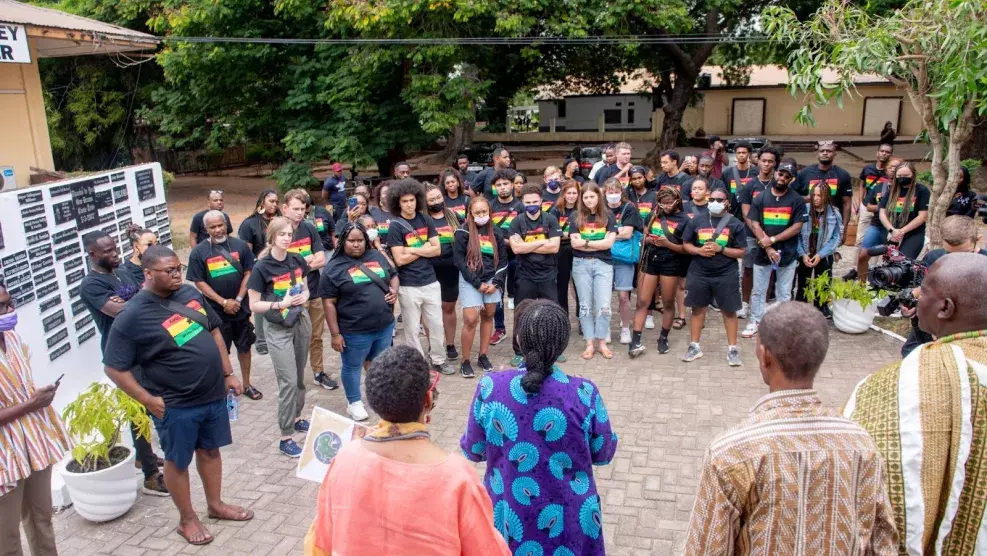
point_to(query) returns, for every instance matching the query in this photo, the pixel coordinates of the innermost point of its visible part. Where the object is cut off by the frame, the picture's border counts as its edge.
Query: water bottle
(774, 264)
(232, 405)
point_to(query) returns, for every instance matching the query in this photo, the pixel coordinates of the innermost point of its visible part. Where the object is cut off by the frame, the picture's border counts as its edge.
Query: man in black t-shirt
(715, 241)
(672, 176)
(776, 219)
(535, 238)
(105, 291)
(169, 330)
(482, 183)
(219, 267)
(873, 176)
(767, 161)
(413, 242)
(504, 209)
(197, 230)
(837, 179)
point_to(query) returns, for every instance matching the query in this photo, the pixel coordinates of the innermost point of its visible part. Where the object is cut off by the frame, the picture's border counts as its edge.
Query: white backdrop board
(43, 262)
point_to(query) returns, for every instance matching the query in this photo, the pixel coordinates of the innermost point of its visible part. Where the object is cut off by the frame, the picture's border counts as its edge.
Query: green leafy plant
(970, 164)
(94, 420)
(294, 175)
(824, 289)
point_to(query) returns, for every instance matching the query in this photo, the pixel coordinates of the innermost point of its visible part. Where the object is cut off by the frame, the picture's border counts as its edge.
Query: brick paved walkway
(665, 412)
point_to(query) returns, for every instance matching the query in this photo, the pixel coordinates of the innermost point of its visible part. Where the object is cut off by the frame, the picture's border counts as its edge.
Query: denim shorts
(187, 429)
(469, 297)
(623, 277)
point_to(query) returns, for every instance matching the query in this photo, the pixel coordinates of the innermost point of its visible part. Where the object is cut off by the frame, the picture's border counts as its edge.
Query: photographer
(902, 212)
(959, 235)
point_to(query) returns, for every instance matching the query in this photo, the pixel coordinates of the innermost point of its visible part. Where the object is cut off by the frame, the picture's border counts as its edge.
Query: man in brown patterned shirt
(793, 477)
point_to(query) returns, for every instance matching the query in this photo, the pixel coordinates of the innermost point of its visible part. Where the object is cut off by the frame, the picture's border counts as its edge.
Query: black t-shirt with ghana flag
(776, 214)
(413, 233)
(206, 263)
(918, 204)
(535, 266)
(178, 357)
(274, 278)
(305, 242)
(591, 230)
(198, 226)
(360, 305)
(699, 230)
(837, 179)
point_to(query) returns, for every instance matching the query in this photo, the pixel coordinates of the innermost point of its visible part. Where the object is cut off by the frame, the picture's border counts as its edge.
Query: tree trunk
(385, 164)
(674, 109)
(946, 173)
(460, 137)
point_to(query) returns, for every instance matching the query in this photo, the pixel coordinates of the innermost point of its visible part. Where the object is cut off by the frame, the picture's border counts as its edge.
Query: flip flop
(241, 514)
(606, 352)
(253, 393)
(589, 353)
(209, 538)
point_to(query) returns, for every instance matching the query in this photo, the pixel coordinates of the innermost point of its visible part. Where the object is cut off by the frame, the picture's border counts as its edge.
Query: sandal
(678, 323)
(605, 352)
(205, 540)
(253, 393)
(237, 514)
(588, 353)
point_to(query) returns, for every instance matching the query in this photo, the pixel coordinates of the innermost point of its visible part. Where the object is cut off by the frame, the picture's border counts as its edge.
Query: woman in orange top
(395, 492)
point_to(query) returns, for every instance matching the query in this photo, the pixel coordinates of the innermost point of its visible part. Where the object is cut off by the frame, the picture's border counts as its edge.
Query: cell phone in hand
(352, 202)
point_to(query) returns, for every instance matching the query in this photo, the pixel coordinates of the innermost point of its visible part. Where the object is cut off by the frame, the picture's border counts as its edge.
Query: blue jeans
(594, 284)
(784, 278)
(360, 348)
(873, 237)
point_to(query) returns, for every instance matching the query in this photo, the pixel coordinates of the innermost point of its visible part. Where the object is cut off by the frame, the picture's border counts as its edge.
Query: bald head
(952, 295)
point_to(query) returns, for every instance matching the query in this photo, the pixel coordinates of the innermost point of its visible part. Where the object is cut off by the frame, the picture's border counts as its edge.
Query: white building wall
(583, 112)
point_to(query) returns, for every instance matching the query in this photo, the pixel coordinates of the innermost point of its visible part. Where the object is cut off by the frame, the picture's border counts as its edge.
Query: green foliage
(970, 164)
(825, 289)
(294, 175)
(94, 420)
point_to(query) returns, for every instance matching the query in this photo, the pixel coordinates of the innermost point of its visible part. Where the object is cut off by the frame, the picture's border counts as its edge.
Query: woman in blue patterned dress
(540, 432)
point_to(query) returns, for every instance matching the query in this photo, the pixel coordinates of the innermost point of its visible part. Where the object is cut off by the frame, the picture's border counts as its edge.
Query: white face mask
(613, 198)
(716, 208)
(372, 234)
(481, 220)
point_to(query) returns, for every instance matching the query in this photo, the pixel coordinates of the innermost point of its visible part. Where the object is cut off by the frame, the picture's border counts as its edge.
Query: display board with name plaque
(43, 263)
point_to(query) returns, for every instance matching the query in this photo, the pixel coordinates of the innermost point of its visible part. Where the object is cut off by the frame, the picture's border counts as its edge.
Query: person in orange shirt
(370, 500)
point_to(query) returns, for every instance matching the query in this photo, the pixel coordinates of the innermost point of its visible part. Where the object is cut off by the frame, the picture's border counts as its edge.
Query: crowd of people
(700, 234)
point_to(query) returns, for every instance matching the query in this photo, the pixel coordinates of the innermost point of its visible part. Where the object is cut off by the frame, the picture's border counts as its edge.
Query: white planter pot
(850, 318)
(103, 495)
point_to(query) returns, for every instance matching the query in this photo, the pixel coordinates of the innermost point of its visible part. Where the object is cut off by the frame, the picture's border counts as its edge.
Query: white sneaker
(510, 303)
(357, 411)
(750, 331)
(625, 336)
(649, 323)
(745, 311)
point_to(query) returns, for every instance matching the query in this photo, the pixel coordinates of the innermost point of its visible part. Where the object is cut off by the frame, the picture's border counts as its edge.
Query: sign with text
(13, 44)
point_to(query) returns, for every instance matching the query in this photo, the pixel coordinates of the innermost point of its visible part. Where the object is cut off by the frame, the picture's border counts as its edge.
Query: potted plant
(100, 477)
(852, 301)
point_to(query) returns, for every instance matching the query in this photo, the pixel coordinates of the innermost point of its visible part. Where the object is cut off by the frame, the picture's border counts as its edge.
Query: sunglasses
(433, 386)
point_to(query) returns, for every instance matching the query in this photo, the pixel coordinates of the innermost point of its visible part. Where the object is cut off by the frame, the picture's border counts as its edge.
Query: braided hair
(543, 334)
(474, 256)
(344, 233)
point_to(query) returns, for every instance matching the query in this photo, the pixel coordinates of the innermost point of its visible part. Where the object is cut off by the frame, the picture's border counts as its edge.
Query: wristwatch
(772, 240)
(239, 299)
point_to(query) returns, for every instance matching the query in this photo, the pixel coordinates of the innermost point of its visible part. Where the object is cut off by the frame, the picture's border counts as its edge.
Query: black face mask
(437, 207)
(903, 182)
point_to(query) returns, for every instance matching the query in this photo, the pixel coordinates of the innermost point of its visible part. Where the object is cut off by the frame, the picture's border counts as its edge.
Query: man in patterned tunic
(928, 416)
(793, 477)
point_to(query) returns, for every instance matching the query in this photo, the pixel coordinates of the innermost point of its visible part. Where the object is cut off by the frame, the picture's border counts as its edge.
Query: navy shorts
(187, 429)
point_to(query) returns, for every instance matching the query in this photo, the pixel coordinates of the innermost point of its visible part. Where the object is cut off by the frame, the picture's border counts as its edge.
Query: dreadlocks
(474, 258)
(543, 333)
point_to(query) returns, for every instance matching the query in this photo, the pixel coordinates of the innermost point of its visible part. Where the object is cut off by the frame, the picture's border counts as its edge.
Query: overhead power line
(693, 38)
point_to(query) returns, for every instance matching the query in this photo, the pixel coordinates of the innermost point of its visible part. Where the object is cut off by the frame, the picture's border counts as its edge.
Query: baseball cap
(337, 167)
(790, 168)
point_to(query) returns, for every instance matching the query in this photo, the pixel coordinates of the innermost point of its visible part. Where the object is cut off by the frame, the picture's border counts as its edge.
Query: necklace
(962, 336)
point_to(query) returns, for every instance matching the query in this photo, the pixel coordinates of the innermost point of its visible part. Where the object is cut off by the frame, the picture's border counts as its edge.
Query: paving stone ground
(665, 412)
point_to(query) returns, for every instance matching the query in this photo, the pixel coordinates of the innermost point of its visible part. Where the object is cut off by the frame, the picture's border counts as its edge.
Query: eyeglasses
(433, 386)
(215, 191)
(173, 271)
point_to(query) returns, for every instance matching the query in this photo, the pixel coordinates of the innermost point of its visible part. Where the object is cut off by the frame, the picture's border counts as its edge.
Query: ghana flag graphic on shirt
(383, 227)
(301, 246)
(282, 283)
(564, 224)
(547, 205)
(416, 239)
(183, 329)
(219, 266)
(504, 218)
(871, 180)
(777, 216)
(592, 231)
(445, 234)
(644, 208)
(359, 277)
(743, 183)
(460, 211)
(320, 225)
(486, 246)
(899, 205)
(831, 182)
(706, 234)
(535, 234)
(657, 230)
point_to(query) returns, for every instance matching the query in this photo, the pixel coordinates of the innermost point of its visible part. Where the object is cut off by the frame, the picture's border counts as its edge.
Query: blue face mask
(552, 185)
(532, 209)
(8, 321)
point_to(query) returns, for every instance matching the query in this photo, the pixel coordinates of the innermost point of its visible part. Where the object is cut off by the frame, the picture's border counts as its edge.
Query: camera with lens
(899, 274)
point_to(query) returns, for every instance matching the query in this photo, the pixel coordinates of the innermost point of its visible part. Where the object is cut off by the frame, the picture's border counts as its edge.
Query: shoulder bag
(627, 251)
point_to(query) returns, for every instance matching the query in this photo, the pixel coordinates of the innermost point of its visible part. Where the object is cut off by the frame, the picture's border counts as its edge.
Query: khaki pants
(864, 217)
(30, 502)
(418, 302)
(289, 350)
(318, 314)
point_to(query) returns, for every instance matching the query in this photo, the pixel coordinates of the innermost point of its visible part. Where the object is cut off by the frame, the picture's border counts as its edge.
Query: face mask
(8, 322)
(532, 209)
(552, 185)
(903, 182)
(481, 220)
(372, 234)
(437, 207)
(716, 208)
(613, 198)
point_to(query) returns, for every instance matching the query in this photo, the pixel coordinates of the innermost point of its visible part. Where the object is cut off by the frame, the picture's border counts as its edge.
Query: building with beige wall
(28, 33)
